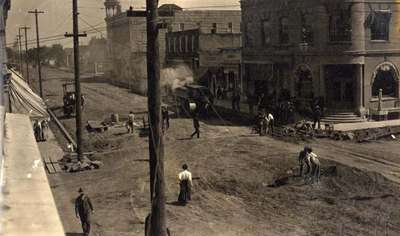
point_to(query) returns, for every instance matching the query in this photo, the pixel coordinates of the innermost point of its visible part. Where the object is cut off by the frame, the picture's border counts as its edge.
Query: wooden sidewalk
(30, 205)
(346, 127)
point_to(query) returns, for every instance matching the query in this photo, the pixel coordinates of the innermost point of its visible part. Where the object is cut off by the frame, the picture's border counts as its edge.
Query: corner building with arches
(340, 51)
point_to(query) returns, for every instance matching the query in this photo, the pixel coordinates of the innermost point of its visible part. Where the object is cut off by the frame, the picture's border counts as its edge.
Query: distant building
(213, 57)
(97, 61)
(342, 51)
(83, 57)
(127, 36)
(92, 56)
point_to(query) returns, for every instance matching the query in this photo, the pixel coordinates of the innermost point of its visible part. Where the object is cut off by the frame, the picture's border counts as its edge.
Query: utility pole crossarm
(68, 35)
(36, 12)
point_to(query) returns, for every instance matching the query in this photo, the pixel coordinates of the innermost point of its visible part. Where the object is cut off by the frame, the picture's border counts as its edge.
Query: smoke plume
(174, 77)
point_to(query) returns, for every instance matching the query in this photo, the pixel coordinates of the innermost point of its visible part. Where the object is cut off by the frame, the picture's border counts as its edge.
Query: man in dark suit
(196, 126)
(83, 211)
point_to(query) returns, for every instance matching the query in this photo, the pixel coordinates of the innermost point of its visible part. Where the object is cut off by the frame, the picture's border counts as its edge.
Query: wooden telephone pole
(36, 12)
(157, 220)
(19, 36)
(26, 52)
(156, 144)
(78, 99)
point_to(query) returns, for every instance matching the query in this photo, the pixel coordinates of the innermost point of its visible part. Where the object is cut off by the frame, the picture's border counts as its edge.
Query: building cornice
(386, 52)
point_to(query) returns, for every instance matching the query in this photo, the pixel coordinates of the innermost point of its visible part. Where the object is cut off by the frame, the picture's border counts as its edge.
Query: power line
(61, 36)
(91, 26)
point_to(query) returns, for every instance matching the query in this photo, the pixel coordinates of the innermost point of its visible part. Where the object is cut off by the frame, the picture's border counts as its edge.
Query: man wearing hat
(83, 210)
(185, 182)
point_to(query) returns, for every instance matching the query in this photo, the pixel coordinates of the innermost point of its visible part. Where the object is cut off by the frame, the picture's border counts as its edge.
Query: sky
(57, 18)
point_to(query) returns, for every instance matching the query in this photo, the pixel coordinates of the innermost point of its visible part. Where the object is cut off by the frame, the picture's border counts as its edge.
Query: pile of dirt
(70, 163)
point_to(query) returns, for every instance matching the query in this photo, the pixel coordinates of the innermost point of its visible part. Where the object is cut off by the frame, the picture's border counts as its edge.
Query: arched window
(304, 87)
(385, 78)
(284, 30)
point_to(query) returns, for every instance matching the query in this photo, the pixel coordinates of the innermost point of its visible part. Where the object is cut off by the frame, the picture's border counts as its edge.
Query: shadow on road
(175, 203)
(73, 234)
(182, 139)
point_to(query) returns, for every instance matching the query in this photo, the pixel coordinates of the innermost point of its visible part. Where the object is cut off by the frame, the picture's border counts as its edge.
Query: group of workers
(40, 129)
(265, 123)
(130, 124)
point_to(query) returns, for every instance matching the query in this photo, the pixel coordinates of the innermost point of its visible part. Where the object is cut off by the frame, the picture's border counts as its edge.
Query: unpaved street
(233, 171)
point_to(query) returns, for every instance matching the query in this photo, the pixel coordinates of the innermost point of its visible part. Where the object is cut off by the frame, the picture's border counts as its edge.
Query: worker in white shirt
(270, 123)
(185, 182)
(131, 120)
(313, 161)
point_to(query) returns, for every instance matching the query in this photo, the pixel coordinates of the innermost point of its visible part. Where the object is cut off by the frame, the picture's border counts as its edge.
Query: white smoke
(174, 77)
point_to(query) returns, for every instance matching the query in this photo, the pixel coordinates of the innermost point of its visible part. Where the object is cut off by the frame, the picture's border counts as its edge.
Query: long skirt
(184, 194)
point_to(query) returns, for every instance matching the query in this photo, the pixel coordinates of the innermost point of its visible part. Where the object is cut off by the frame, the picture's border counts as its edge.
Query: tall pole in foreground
(36, 12)
(78, 117)
(26, 52)
(20, 49)
(156, 145)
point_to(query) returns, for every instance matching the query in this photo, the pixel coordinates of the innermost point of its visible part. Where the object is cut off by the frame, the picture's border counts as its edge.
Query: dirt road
(233, 172)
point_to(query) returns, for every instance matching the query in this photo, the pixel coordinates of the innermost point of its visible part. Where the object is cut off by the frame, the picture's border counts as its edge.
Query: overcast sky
(57, 18)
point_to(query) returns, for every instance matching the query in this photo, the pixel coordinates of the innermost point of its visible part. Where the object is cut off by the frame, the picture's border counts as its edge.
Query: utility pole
(26, 53)
(20, 49)
(156, 223)
(78, 117)
(36, 12)
(156, 143)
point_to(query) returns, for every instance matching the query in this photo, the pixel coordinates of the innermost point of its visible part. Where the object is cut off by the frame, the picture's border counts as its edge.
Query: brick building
(342, 51)
(213, 57)
(127, 36)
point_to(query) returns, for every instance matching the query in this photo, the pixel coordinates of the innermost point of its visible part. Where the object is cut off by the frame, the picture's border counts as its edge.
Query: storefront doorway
(340, 87)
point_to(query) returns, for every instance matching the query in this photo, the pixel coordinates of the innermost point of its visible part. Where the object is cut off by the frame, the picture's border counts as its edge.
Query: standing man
(82, 101)
(83, 211)
(261, 102)
(196, 125)
(36, 130)
(219, 92)
(317, 116)
(45, 126)
(234, 101)
(237, 100)
(250, 102)
(261, 123)
(131, 120)
(165, 117)
(185, 183)
(270, 119)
